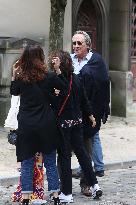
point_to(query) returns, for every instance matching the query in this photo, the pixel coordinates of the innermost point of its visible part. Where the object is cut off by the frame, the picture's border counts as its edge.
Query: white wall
(24, 17)
(30, 18)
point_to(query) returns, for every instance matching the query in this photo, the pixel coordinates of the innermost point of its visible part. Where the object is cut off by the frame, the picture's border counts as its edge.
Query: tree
(56, 24)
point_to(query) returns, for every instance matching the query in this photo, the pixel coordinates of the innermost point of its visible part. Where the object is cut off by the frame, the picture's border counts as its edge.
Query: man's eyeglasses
(79, 43)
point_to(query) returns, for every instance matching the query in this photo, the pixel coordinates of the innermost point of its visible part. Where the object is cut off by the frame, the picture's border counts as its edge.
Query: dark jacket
(77, 102)
(94, 76)
(37, 130)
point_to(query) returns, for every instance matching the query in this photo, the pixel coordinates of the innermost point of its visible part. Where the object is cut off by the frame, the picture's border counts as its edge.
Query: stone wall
(119, 56)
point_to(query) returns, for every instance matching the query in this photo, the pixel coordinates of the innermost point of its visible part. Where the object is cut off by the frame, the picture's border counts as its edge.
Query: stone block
(118, 93)
(119, 26)
(122, 102)
(119, 5)
(119, 55)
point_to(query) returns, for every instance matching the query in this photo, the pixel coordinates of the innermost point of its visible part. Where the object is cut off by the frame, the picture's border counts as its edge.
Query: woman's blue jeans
(27, 171)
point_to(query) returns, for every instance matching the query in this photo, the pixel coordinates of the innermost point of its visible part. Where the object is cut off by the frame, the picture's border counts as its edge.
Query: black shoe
(25, 202)
(99, 173)
(56, 201)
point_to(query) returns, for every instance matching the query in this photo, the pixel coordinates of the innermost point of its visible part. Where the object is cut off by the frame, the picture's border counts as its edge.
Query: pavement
(118, 137)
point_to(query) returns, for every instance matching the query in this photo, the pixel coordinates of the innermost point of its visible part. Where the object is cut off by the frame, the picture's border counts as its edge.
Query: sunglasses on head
(79, 43)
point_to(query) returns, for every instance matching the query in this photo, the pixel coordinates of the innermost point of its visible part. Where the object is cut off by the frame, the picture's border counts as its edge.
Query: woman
(37, 129)
(70, 118)
(11, 123)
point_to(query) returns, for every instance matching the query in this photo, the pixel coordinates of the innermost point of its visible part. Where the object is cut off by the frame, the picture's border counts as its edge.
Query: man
(92, 70)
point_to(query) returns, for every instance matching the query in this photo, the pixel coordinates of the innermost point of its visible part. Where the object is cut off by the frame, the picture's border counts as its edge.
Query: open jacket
(94, 76)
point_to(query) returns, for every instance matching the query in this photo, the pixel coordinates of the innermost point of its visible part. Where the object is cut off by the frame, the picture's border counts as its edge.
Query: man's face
(79, 45)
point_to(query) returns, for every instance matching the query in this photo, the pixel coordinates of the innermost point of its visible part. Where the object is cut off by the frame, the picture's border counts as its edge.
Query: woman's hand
(56, 64)
(15, 70)
(56, 91)
(92, 119)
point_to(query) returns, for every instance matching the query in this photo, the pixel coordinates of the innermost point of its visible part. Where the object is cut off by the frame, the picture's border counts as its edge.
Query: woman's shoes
(96, 191)
(66, 198)
(25, 202)
(56, 201)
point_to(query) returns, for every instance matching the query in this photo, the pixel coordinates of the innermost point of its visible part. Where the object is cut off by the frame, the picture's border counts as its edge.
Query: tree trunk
(56, 24)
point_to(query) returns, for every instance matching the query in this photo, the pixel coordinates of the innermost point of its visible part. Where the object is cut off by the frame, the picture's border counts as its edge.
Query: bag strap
(66, 98)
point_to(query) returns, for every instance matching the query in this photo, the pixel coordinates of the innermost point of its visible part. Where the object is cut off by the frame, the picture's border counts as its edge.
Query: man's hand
(92, 119)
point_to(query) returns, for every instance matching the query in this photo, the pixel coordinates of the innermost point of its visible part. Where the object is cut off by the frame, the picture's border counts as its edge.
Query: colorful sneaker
(96, 191)
(66, 198)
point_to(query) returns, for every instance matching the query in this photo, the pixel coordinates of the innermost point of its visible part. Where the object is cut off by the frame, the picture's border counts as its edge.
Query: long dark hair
(66, 66)
(31, 65)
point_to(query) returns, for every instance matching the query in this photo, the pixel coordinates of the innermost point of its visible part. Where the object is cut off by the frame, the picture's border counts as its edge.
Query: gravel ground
(119, 188)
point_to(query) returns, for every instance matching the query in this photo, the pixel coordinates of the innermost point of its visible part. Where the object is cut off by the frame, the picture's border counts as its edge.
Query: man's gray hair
(86, 36)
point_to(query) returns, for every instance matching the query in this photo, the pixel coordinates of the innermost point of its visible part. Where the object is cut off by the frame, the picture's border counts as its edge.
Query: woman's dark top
(37, 130)
(76, 104)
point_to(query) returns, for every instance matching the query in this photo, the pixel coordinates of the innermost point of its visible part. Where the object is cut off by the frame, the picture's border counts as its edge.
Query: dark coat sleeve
(52, 82)
(15, 88)
(64, 85)
(106, 109)
(58, 82)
